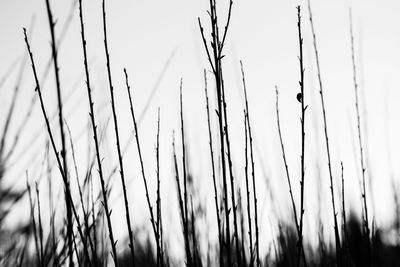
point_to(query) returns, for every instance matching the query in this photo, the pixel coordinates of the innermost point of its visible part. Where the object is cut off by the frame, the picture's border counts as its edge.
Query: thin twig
(63, 151)
(213, 168)
(363, 195)
(185, 194)
(215, 62)
(344, 237)
(153, 222)
(257, 244)
(121, 164)
(302, 119)
(160, 257)
(32, 209)
(97, 146)
(336, 228)
(60, 167)
(181, 207)
(40, 225)
(246, 167)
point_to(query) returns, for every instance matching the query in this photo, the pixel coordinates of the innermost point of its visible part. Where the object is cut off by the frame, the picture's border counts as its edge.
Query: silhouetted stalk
(97, 147)
(215, 61)
(194, 239)
(52, 212)
(288, 176)
(213, 169)
(40, 225)
(63, 151)
(35, 234)
(185, 197)
(121, 165)
(212, 161)
(336, 228)
(232, 182)
(76, 169)
(232, 179)
(257, 244)
(303, 113)
(94, 224)
(344, 237)
(246, 167)
(60, 167)
(242, 234)
(153, 222)
(362, 164)
(181, 207)
(85, 215)
(185, 193)
(160, 258)
(78, 259)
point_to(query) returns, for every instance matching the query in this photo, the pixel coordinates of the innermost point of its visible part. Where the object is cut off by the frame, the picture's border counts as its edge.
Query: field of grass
(111, 200)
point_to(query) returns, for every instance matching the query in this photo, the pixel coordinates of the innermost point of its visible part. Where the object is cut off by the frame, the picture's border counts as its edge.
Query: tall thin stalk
(215, 61)
(160, 253)
(345, 246)
(33, 222)
(213, 169)
(185, 193)
(302, 119)
(246, 167)
(181, 206)
(40, 225)
(336, 228)
(63, 151)
(121, 164)
(97, 145)
(288, 177)
(85, 214)
(60, 167)
(360, 142)
(153, 222)
(52, 210)
(257, 244)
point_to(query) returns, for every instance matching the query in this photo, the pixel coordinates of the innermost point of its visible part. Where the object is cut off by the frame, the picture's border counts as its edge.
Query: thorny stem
(303, 113)
(257, 244)
(232, 180)
(185, 197)
(345, 240)
(247, 188)
(363, 195)
(337, 238)
(67, 192)
(61, 123)
(213, 167)
(40, 225)
(287, 173)
(185, 193)
(120, 160)
(153, 222)
(97, 146)
(160, 254)
(85, 215)
(181, 207)
(215, 63)
(35, 234)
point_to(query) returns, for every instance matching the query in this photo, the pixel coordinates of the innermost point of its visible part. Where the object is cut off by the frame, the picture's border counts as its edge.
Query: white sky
(144, 34)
